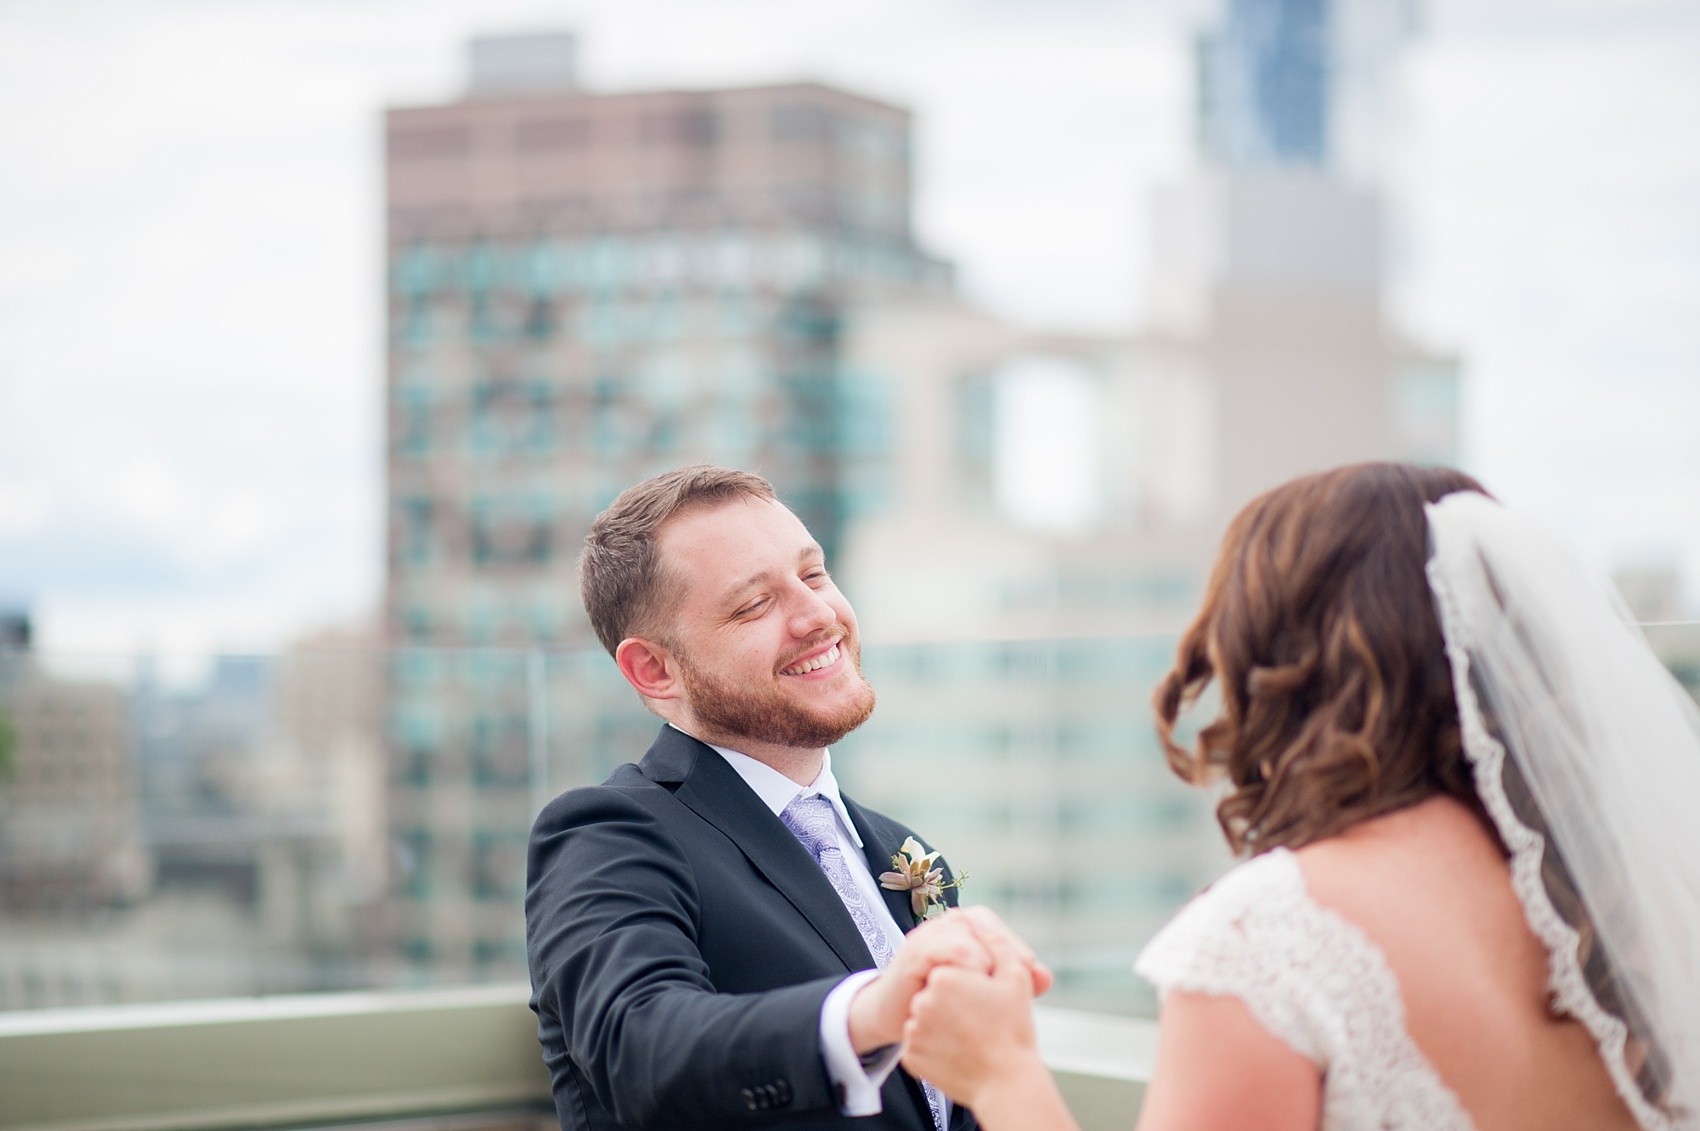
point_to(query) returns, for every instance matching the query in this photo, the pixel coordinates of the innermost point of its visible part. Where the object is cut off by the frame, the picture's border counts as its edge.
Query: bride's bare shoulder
(1401, 876)
(1435, 864)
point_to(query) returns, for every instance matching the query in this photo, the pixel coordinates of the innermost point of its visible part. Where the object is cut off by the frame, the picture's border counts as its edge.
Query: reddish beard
(766, 714)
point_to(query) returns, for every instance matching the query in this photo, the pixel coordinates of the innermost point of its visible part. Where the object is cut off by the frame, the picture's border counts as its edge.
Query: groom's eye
(752, 608)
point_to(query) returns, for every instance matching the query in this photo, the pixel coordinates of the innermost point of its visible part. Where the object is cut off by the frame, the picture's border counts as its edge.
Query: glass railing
(327, 819)
(462, 1059)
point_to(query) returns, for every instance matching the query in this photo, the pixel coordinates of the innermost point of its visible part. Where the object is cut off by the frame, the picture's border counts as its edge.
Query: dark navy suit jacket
(681, 943)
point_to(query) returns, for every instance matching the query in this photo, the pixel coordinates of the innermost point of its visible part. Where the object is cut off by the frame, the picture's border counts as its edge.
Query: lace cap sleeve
(1317, 983)
(1247, 936)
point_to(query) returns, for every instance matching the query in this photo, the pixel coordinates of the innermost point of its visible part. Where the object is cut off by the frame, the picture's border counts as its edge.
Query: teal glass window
(540, 268)
(609, 266)
(417, 537)
(417, 623)
(619, 423)
(414, 847)
(416, 320)
(480, 319)
(480, 269)
(413, 420)
(666, 320)
(510, 530)
(512, 418)
(416, 271)
(604, 322)
(501, 750)
(540, 319)
(736, 318)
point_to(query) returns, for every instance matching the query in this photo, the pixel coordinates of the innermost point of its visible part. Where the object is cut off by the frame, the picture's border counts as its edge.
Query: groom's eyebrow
(735, 593)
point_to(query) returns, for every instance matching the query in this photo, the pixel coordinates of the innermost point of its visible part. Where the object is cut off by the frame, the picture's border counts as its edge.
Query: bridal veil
(1586, 754)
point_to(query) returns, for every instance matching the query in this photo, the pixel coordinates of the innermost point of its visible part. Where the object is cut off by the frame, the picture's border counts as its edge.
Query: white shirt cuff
(858, 1085)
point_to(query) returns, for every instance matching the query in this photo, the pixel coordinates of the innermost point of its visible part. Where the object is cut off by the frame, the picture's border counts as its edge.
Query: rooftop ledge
(463, 1057)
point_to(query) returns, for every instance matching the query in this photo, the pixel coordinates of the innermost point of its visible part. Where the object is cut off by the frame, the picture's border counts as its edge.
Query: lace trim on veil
(1566, 981)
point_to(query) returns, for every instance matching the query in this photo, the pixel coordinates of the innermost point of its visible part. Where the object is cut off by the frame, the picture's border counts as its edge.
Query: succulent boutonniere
(914, 872)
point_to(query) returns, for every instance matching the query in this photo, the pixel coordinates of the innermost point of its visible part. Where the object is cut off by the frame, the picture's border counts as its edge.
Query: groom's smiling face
(766, 644)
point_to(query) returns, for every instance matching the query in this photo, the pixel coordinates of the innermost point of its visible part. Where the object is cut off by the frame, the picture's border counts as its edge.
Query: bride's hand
(971, 1034)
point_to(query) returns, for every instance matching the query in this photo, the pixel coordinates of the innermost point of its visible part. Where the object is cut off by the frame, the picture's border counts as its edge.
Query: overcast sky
(190, 225)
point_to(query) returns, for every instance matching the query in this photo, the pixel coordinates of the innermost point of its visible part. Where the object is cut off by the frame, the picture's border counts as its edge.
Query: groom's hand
(973, 1037)
(1005, 945)
(880, 1008)
(957, 938)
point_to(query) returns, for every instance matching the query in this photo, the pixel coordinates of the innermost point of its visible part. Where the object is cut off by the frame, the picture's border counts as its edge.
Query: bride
(1469, 796)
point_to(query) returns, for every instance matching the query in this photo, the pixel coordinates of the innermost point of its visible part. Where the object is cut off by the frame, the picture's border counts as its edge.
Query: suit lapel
(880, 841)
(714, 791)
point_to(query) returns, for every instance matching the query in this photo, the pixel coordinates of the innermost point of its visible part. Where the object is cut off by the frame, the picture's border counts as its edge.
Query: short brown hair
(619, 573)
(1319, 627)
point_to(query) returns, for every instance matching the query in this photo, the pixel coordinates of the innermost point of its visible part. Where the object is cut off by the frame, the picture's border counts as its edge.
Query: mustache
(831, 636)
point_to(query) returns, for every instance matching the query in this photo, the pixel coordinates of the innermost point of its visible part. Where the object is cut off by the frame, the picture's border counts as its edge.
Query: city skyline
(225, 493)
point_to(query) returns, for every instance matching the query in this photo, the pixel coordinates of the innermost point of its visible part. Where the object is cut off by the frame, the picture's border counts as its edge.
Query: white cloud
(1547, 182)
(190, 351)
(23, 506)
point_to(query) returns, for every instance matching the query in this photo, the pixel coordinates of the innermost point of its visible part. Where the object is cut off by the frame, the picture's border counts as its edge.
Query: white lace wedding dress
(1314, 980)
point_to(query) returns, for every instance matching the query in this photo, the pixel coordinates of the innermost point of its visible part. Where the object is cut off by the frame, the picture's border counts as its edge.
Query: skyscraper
(1298, 83)
(585, 289)
(1271, 257)
(1263, 84)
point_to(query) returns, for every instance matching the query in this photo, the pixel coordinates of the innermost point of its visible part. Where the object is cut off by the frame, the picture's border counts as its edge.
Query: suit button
(749, 1099)
(781, 1092)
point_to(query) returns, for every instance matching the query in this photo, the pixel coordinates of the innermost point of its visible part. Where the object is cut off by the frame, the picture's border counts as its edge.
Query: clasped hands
(958, 994)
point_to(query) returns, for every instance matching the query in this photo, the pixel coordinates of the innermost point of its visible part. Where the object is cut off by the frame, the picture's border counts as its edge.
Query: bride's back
(1429, 886)
(1339, 738)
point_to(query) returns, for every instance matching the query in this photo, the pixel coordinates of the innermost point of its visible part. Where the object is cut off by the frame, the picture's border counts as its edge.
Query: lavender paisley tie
(811, 819)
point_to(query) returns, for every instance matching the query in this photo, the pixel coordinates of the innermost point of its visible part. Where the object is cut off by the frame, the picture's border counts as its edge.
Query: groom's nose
(810, 612)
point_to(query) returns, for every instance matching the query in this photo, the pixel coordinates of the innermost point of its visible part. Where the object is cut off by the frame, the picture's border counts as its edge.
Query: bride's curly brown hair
(1320, 630)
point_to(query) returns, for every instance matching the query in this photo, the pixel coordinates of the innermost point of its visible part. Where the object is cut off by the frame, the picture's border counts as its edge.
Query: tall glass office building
(585, 289)
(1299, 84)
(1263, 84)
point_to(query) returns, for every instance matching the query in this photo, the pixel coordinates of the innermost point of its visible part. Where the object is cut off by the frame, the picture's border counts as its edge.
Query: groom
(708, 944)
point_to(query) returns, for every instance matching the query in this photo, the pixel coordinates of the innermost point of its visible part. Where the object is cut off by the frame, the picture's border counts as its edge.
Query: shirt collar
(777, 791)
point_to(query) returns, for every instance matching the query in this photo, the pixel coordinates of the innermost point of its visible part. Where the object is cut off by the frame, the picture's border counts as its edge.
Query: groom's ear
(649, 667)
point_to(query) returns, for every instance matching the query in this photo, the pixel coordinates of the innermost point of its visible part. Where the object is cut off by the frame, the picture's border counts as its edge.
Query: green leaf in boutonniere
(914, 871)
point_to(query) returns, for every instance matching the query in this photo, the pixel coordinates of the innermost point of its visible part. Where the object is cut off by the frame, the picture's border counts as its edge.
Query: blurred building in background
(322, 787)
(586, 289)
(198, 753)
(170, 837)
(1264, 354)
(70, 819)
(1270, 261)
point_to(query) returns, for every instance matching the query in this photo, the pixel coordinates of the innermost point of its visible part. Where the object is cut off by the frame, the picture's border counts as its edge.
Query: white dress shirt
(859, 1085)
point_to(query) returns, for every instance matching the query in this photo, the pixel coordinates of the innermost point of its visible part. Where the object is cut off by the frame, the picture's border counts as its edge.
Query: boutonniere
(914, 872)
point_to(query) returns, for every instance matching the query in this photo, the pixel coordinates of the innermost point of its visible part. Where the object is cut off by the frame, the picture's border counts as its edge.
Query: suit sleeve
(611, 925)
